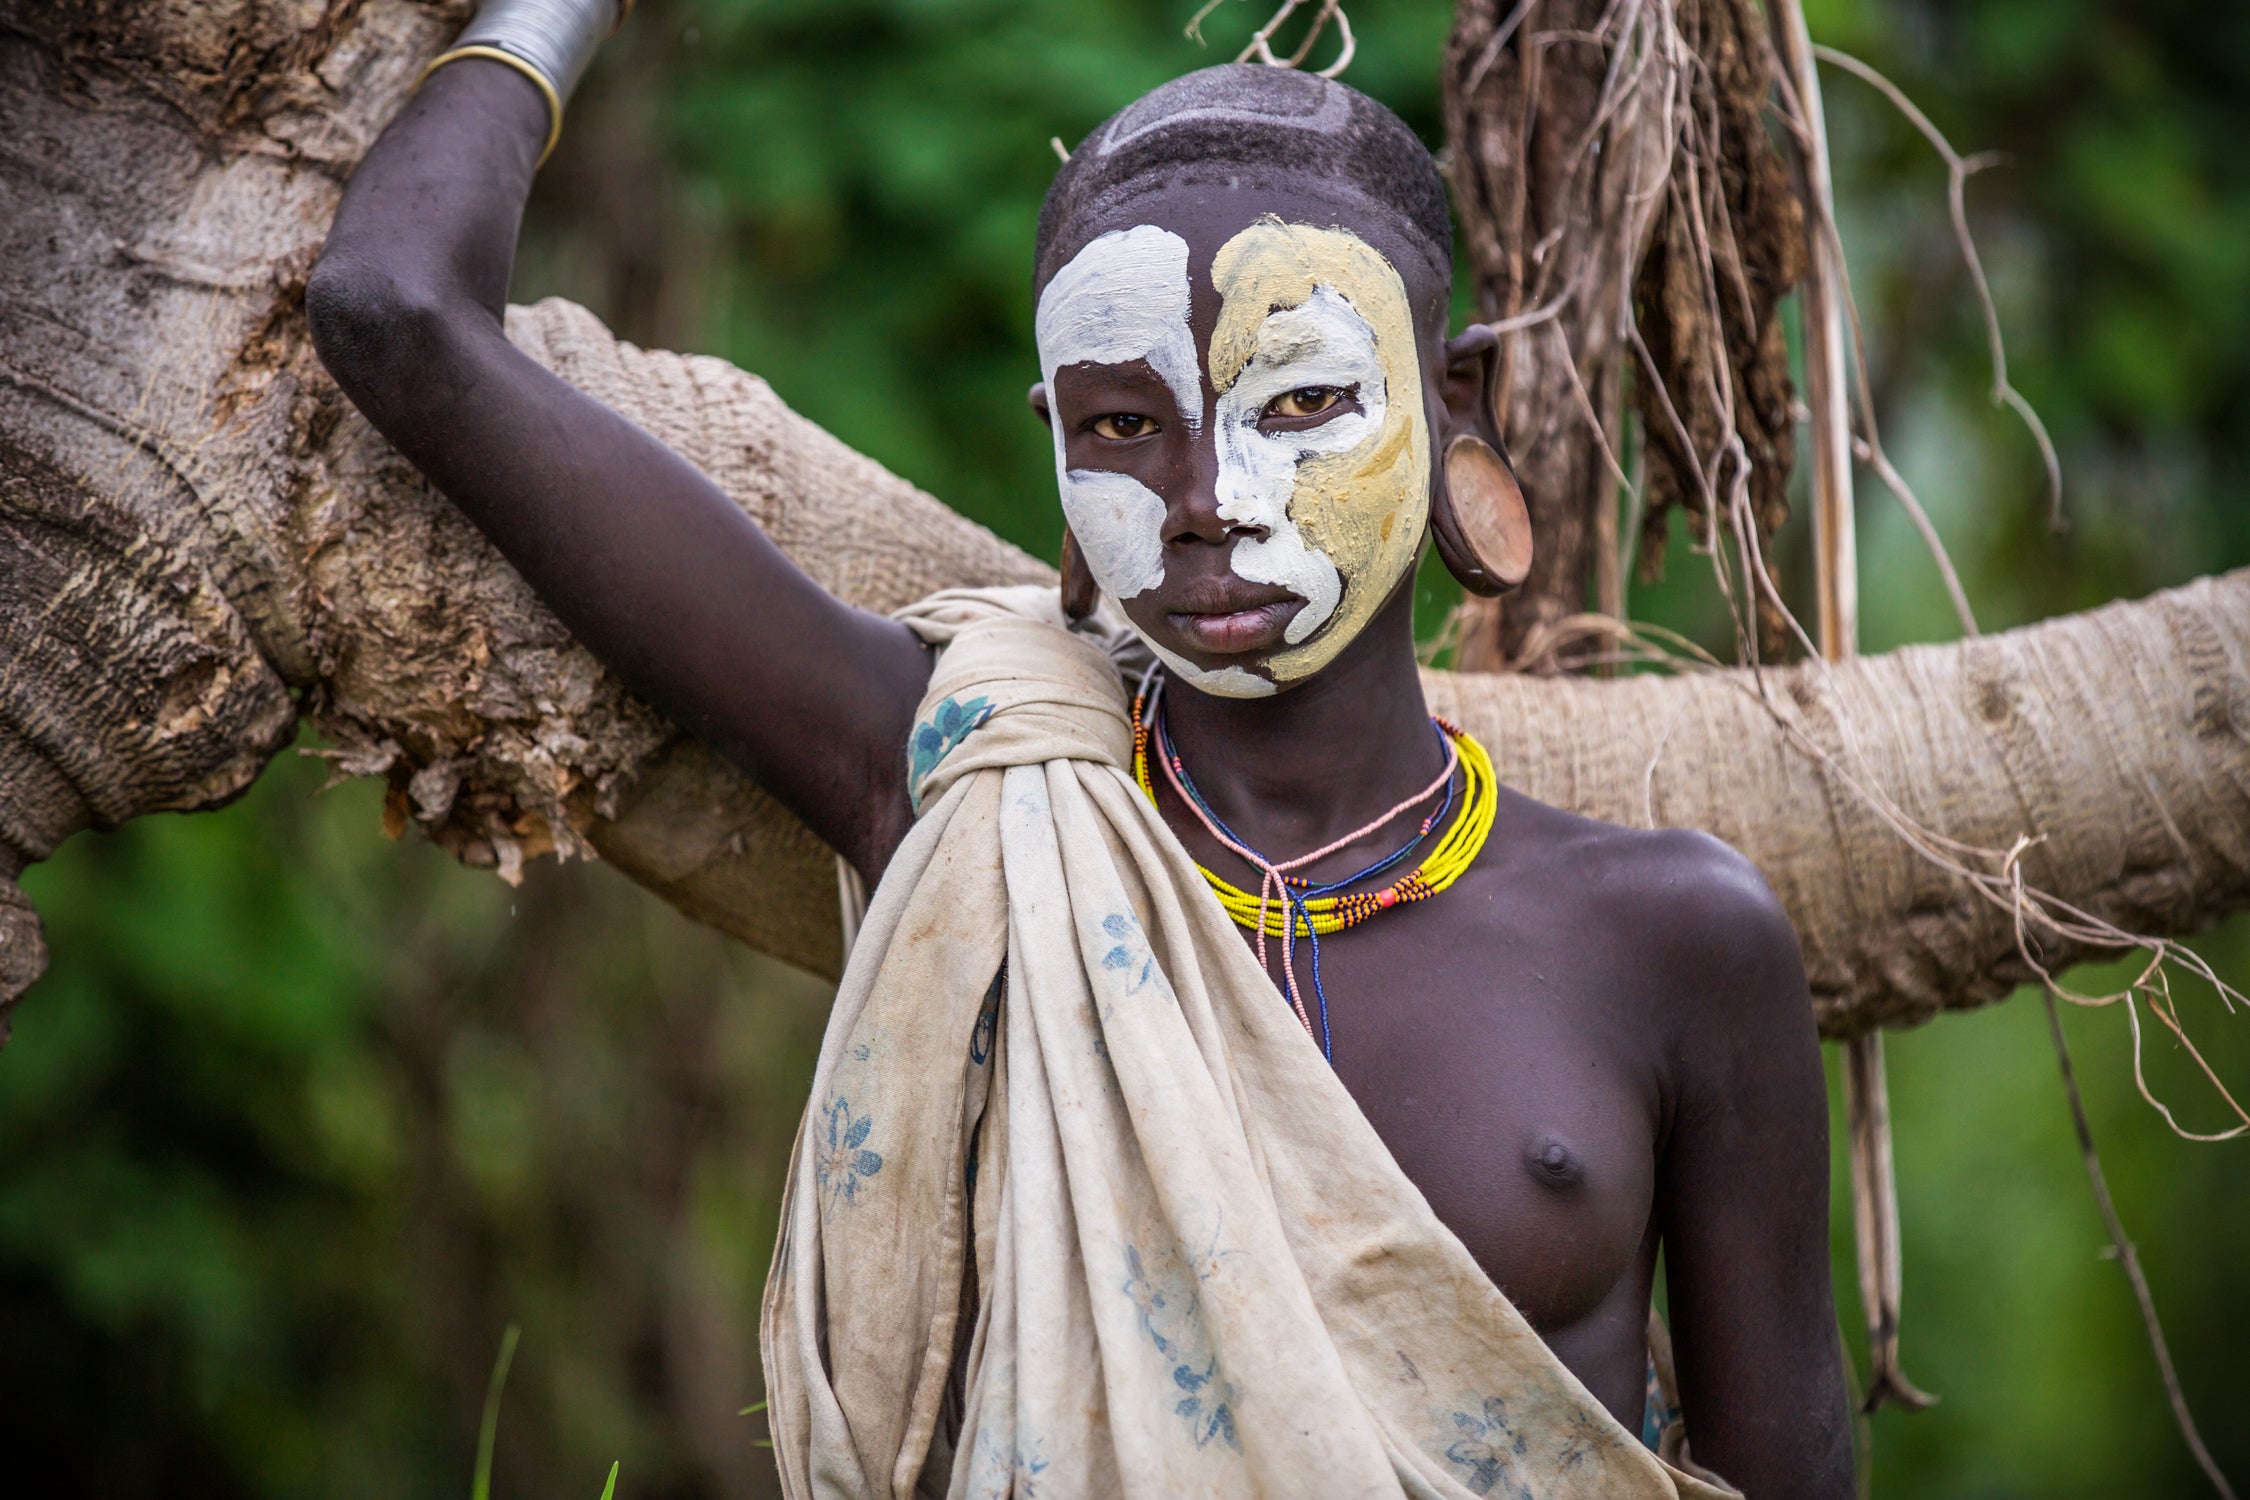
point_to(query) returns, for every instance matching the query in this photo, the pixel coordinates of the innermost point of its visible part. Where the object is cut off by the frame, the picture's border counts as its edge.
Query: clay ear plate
(1488, 507)
(1080, 593)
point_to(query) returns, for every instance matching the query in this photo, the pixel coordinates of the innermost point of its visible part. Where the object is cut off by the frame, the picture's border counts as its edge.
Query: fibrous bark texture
(2120, 736)
(1558, 165)
(200, 540)
(1625, 213)
(1711, 394)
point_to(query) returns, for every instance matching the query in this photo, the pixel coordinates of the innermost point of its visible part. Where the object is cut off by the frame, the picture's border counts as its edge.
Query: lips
(1240, 630)
(1228, 616)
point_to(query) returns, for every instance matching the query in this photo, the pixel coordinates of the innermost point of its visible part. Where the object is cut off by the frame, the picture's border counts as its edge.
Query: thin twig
(1869, 448)
(2128, 1257)
(1195, 22)
(1312, 34)
(1586, 407)
(1491, 52)
(1260, 43)
(1958, 170)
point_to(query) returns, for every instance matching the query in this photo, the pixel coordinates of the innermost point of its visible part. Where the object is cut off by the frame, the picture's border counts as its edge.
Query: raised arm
(646, 561)
(1742, 1197)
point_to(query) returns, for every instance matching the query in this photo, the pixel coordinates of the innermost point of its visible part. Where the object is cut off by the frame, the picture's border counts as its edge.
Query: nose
(1191, 499)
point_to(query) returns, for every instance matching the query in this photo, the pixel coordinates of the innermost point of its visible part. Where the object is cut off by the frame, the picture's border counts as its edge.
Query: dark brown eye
(1123, 424)
(1305, 401)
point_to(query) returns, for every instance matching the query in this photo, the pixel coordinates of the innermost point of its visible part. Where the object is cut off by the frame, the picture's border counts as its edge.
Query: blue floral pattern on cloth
(1166, 1302)
(1586, 1438)
(936, 737)
(1487, 1451)
(842, 1160)
(987, 1027)
(997, 1474)
(1129, 952)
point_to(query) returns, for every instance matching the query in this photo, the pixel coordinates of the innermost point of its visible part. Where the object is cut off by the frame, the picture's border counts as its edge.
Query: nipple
(1554, 1163)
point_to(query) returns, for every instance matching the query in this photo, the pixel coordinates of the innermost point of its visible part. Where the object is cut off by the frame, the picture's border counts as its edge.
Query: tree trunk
(200, 540)
(1624, 209)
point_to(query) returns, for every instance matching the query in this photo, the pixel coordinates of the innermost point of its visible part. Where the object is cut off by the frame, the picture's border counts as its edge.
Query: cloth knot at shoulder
(1013, 686)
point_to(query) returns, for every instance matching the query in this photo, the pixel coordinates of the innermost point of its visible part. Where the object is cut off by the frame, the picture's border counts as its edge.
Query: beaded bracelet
(549, 42)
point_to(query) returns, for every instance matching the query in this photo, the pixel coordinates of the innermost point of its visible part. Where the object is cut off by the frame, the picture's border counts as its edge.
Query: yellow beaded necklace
(1456, 850)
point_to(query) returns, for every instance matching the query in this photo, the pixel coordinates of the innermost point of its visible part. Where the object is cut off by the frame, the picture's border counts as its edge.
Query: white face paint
(1344, 504)
(1119, 523)
(1122, 298)
(1322, 341)
(1341, 505)
(1226, 682)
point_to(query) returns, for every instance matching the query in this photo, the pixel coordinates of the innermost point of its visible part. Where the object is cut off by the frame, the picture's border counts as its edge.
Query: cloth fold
(1196, 1269)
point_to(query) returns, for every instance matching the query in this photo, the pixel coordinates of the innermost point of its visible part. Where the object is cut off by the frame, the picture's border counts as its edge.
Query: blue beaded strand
(1294, 902)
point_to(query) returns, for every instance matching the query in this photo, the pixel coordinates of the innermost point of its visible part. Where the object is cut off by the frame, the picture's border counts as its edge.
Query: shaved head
(1238, 124)
(1243, 287)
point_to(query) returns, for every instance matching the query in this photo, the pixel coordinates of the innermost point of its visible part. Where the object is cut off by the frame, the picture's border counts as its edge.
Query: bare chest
(1499, 1064)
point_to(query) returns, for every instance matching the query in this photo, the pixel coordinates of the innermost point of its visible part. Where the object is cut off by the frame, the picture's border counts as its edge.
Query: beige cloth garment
(1196, 1268)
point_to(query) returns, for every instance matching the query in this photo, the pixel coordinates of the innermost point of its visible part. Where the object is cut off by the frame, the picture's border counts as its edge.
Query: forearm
(414, 278)
(646, 561)
(435, 205)
(406, 305)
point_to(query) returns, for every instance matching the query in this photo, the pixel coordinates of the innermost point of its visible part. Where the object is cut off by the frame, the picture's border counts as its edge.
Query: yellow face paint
(1344, 505)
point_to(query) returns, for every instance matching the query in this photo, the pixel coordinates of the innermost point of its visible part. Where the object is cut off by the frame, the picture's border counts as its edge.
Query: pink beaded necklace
(1273, 873)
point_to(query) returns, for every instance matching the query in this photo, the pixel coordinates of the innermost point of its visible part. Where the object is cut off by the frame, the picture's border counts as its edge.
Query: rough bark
(199, 540)
(1712, 399)
(1613, 173)
(1555, 181)
(2121, 736)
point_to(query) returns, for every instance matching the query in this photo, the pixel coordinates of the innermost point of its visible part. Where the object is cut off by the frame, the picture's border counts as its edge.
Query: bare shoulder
(1684, 908)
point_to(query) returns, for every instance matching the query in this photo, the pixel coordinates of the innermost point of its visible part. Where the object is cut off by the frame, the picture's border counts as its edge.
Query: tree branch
(200, 536)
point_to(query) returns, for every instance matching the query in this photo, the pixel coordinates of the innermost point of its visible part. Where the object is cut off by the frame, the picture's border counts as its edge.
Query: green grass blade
(751, 1411)
(609, 1490)
(481, 1487)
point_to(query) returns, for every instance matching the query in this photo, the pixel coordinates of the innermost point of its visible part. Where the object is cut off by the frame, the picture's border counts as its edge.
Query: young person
(1333, 1175)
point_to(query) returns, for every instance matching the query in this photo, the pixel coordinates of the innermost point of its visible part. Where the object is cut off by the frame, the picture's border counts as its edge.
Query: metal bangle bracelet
(550, 42)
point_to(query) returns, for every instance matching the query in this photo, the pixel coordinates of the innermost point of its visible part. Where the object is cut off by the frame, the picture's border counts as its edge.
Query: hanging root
(2035, 913)
(1563, 118)
(1958, 170)
(2127, 1256)
(1713, 401)
(1712, 378)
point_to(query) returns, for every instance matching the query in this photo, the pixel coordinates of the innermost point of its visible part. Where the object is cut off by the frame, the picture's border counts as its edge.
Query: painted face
(1308, 405)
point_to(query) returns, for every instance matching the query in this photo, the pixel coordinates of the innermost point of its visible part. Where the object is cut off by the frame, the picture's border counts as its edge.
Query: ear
(1080, 593)
(1477, 511)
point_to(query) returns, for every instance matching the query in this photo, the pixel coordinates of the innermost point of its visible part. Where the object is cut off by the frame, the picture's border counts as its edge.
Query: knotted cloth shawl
(1197, 1271)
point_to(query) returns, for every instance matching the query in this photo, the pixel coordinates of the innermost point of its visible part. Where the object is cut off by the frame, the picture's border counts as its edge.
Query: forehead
(1208, 210)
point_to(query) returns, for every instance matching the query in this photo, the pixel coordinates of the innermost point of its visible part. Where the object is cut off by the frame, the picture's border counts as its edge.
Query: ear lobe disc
(1484, 528)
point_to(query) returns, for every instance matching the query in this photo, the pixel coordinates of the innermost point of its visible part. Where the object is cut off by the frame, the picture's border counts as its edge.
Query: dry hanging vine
(1715, 416)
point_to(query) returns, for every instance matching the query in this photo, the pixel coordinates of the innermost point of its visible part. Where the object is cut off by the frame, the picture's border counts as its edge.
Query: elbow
(374, 331)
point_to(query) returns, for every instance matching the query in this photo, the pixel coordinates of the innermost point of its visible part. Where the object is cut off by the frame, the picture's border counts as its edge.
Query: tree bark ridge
(2120, 738)
(199, 539)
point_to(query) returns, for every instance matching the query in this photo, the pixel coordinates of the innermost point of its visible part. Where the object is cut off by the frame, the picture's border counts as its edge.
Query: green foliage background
(299, 1121)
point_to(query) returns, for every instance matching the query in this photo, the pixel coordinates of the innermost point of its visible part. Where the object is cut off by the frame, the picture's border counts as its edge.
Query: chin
(1234, 679)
